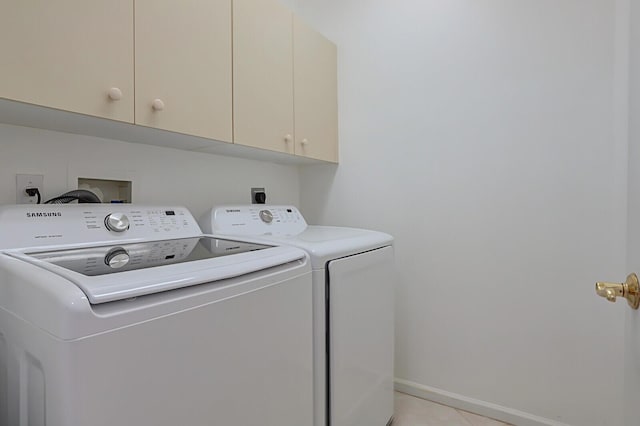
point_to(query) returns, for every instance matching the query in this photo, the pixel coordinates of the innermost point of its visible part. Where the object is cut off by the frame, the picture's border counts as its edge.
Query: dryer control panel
(254, 220)
(59, 224)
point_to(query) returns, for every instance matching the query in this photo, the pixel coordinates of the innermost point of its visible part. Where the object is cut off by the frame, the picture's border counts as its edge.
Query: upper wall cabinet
(316, 94)
(183, 66)
(242, 71)
(285, 82)
(263, 75)
(74, 55)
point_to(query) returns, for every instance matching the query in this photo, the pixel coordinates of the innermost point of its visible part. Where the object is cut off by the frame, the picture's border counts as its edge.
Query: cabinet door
(69, 54)
(183, 66)
(262, 75)
(316, 94)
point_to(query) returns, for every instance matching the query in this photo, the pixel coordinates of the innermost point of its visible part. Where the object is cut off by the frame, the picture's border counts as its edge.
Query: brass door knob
(630, 290)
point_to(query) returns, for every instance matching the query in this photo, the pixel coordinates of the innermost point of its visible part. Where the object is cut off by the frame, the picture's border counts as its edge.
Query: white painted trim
(487, 409)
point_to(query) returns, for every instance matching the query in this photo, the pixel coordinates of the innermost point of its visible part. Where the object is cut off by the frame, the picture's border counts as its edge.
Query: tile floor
(412, 411)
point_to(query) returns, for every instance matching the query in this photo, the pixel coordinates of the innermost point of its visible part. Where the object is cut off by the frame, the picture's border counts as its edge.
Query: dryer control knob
(266, 216)
(116, 258)
(116, 222)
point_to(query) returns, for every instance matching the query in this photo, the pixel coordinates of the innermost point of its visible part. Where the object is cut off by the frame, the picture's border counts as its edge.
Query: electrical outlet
(24, 182)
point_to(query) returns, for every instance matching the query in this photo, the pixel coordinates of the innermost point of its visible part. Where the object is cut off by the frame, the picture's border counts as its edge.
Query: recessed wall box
(108, 190)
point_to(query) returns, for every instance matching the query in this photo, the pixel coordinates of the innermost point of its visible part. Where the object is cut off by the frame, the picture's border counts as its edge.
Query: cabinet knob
(115, 94)
(288, 138)
(304, 141)
(157, 105)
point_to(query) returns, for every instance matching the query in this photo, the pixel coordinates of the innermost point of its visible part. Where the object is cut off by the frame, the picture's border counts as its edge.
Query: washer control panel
(254, 220)
(141, 221)
(58, 224)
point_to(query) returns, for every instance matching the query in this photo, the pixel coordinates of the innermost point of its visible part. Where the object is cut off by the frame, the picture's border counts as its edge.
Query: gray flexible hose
(82, 195)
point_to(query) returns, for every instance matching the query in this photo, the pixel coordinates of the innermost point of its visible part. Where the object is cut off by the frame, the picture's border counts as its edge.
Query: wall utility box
(109, 191)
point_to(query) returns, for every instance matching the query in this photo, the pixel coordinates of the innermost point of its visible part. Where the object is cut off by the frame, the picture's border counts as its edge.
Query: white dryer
(353, 310)
(128, 315)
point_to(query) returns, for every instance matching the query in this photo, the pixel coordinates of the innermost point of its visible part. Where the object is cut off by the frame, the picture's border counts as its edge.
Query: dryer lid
(284, 224)
(326, 243)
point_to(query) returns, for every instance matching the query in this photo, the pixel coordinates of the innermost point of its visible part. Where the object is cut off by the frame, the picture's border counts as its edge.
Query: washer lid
(94, 261)
(115, 272)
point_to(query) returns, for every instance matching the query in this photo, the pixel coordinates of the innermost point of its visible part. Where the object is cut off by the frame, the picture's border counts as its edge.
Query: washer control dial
(116, 258)
(116, 222)
(266, 216)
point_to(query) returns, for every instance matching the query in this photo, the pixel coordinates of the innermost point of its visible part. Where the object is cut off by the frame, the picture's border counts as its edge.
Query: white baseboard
(487, 409)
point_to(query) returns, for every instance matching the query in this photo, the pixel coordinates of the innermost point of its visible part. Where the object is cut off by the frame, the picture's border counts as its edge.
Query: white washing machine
(128, 315)
(353, 310)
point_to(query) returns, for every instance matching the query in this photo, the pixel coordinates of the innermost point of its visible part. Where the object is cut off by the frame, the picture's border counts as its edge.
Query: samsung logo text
(45, 214)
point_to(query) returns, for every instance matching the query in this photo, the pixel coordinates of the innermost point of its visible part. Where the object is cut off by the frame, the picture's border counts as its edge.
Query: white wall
(483, 135)
(632, 323)
(160, 175)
